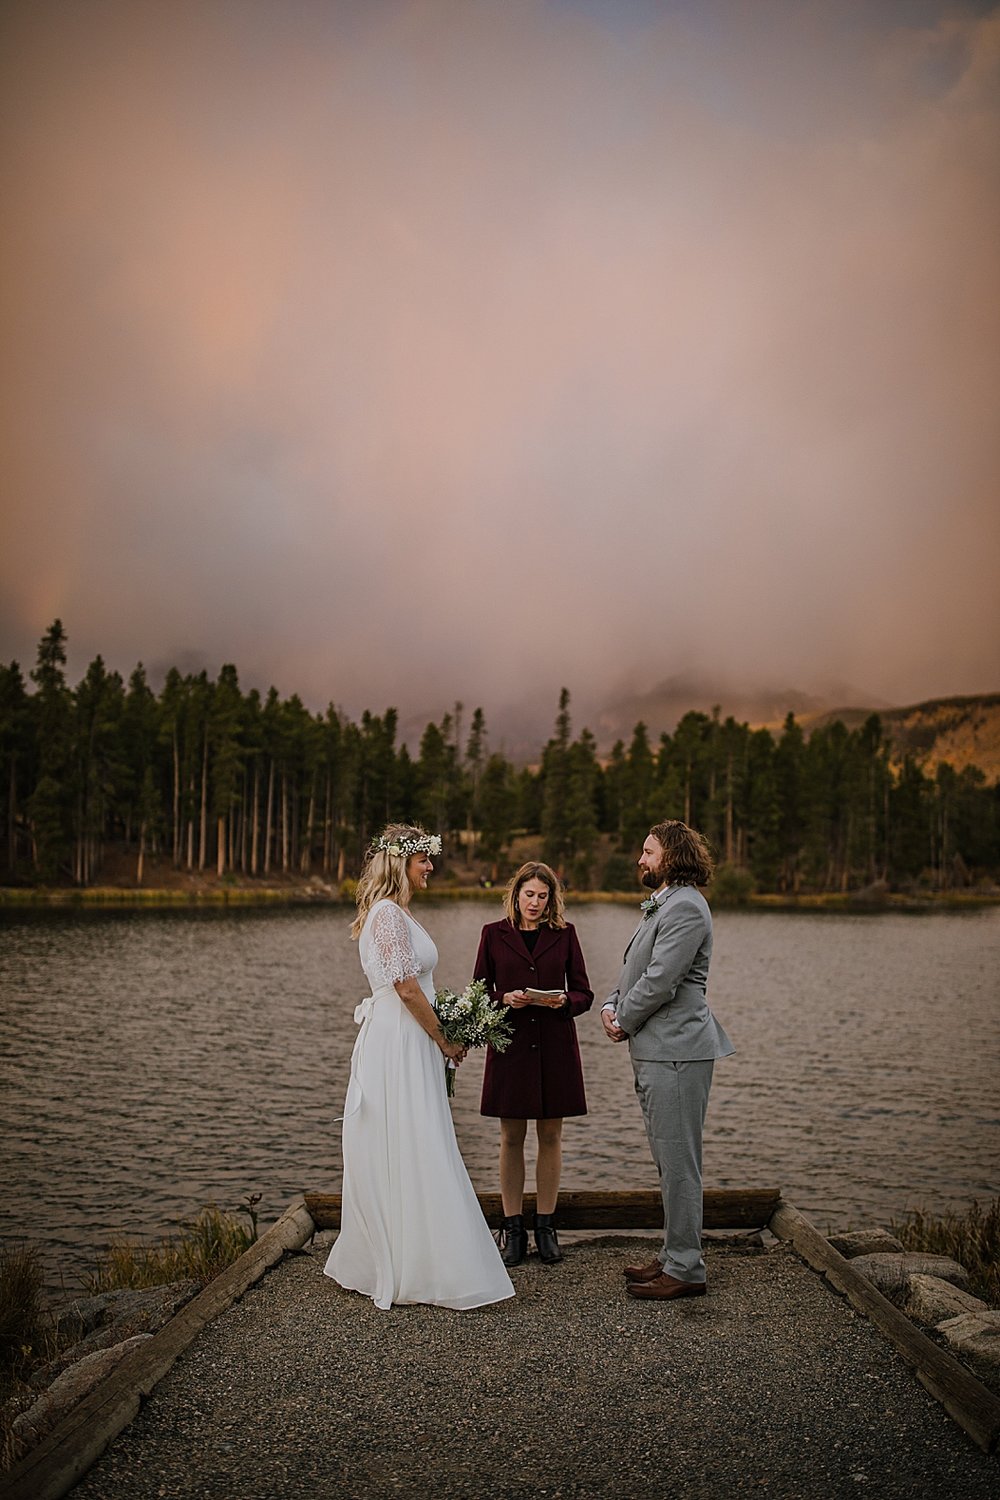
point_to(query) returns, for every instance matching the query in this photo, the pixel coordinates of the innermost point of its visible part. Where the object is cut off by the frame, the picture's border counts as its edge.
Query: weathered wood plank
(967, 1400)
(51, 1469)
(725, 1208)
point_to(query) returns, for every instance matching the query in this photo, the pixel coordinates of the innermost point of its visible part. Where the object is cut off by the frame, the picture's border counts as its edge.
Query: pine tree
(138, 801)
(475, 756)
(788, 770)
(688, 754)
(270, 730)
(640, 810)
(225, 724)
(375, 795)
(581, 817)
(15, 758)
(51, 712)
(170, 715)
(313, 744)
(497, 810)
(763, 810)
(911, 817)
(555, 775)
(615, 791)
(435, 777)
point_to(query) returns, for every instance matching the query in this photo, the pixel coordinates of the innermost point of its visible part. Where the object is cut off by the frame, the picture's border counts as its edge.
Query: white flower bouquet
(471, 1019)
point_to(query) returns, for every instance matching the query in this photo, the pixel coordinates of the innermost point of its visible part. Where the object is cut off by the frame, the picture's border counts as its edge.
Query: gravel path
(770, 1385)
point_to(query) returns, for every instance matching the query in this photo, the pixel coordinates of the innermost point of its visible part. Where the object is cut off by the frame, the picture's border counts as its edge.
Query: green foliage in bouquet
(471, 1019)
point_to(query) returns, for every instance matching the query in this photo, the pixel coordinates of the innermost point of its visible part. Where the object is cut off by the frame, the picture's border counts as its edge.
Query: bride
(411, 1226)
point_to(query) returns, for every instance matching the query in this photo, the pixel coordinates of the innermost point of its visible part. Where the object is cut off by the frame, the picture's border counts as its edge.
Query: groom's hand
(611, 1027)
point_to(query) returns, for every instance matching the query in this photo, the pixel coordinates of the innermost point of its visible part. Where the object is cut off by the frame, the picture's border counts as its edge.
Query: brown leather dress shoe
(644, 1273)
(664, 1286)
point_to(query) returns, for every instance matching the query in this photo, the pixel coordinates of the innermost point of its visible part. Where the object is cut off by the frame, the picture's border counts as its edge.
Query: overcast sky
(409, 350)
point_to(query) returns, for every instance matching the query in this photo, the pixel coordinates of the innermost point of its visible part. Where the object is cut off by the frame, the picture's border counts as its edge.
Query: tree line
(217, 778)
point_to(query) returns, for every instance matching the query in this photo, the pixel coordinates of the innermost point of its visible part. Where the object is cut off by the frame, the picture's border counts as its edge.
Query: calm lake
(151, 1063)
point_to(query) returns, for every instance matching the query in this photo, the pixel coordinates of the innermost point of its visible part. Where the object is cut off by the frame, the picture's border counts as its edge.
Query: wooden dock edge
(974, 1407)
(55, 1464)
(725, 1208)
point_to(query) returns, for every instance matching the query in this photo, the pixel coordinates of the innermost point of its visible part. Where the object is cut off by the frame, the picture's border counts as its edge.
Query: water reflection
(153, 1062)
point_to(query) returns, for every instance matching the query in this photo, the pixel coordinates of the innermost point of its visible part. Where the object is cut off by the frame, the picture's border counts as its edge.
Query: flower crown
(424, 843)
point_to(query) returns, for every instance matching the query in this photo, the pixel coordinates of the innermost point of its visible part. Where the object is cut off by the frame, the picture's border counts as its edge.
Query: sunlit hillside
(962, 731)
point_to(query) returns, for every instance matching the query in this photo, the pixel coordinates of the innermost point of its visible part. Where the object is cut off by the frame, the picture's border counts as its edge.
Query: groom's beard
(654, 879)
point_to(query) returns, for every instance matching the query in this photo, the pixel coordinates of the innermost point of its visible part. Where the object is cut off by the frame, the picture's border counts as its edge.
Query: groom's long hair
(686, 857)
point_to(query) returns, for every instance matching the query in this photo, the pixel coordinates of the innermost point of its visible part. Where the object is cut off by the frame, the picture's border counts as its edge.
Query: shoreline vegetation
(971, 1238)
(42, 1333)
(206, 792)
(316, 892)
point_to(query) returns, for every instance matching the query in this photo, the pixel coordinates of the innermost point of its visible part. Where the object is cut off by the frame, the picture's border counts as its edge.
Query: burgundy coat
(539, 1077)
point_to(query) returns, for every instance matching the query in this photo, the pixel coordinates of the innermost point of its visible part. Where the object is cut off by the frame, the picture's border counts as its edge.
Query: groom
(660, 1007)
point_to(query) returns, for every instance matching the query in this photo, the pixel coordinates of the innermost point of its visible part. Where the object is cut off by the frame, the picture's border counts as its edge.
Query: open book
(543, 994)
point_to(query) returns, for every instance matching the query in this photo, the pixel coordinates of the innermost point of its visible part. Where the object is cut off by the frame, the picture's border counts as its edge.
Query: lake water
(154, 1062)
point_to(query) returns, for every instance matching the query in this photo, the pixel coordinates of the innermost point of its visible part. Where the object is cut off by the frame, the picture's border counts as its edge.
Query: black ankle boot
(545, 1240)
(512, 1239)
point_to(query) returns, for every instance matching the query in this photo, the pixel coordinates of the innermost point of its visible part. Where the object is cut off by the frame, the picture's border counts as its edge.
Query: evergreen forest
(212, 778)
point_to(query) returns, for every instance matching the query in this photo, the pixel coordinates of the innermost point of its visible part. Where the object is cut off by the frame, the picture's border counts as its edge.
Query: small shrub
(732, 886)
(205, 1247)
(972, 1238)
(348, 889)
(26, 1340)
(620, 874)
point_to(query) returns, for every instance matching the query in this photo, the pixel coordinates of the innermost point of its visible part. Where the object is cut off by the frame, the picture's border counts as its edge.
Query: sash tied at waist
(362, 1015)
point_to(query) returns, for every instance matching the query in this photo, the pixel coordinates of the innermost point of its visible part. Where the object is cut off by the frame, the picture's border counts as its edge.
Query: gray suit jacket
(660, 999)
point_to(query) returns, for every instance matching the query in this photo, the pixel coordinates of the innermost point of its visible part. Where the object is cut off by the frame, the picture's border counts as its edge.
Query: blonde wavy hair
(554, 914)
(384, 874)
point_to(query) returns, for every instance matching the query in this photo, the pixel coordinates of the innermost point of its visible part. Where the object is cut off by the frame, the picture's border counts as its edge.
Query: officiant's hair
(687, 856)
(384, 874)
(554, 914)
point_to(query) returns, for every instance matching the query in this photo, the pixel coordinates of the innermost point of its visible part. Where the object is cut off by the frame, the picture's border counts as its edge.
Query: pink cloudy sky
(410, 350)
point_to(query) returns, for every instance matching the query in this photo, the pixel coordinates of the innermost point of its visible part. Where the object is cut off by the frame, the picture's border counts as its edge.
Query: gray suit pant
(674, 1098)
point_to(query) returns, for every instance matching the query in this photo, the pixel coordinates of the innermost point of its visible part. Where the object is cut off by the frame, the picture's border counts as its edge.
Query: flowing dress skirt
(411, 1226)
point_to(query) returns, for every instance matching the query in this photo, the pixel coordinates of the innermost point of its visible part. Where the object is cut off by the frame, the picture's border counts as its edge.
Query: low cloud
(404, 354)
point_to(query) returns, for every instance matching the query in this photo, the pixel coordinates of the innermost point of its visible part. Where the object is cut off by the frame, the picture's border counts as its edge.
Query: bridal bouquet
(472, 1020)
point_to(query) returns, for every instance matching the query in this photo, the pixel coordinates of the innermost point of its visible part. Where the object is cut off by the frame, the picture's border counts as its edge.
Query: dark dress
(539, 1077)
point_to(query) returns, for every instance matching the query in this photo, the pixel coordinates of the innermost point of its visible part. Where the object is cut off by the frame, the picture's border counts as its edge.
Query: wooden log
(51, 1469)
(966, 1399)
(725, 1208)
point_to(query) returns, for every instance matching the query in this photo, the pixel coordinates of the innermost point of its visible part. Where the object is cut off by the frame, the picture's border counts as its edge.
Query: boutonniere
(648, 907)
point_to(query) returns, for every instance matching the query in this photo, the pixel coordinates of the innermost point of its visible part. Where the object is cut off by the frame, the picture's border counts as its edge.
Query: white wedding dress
(411, 1226)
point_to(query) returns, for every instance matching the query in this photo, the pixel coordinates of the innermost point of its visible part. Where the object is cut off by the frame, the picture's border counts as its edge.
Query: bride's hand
(453, 1052)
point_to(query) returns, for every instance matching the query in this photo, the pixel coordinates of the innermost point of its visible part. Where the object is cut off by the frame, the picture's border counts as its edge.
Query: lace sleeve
(392, 949)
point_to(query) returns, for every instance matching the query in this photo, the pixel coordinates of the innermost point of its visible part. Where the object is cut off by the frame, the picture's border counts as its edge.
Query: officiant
(532, 962)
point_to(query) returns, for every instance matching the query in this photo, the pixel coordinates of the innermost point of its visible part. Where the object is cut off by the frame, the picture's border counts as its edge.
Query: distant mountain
(663, 706)
(962, 731)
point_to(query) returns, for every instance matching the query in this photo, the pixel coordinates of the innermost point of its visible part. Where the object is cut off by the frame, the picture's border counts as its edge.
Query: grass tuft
(204, 1248)
(972, 1238)
(25, 1338)
(22, 1332)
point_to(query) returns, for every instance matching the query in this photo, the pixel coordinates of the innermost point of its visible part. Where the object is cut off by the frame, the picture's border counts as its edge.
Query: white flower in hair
(424, 843)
